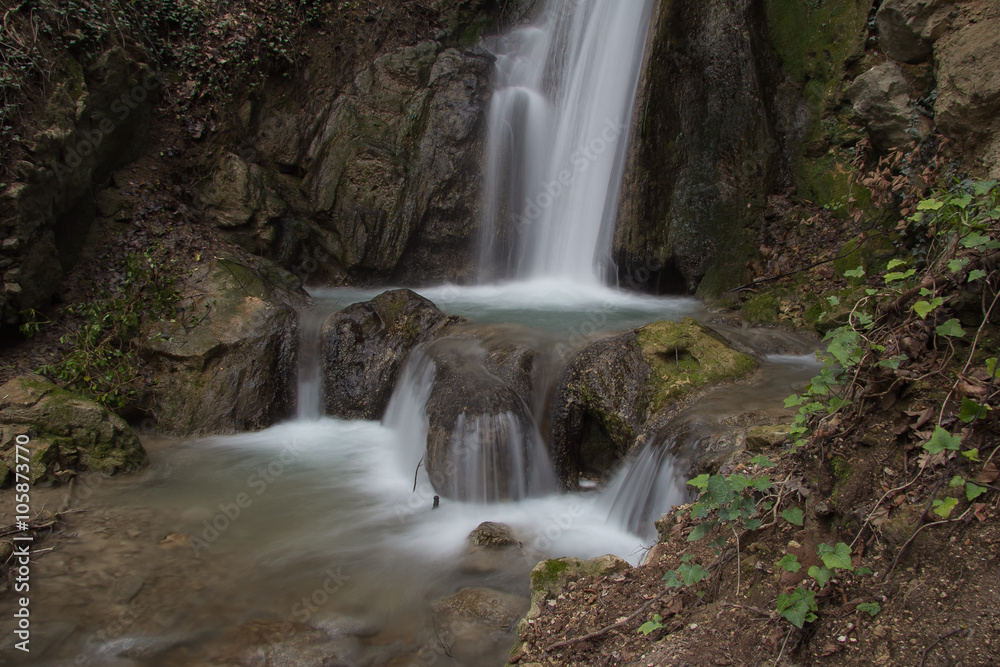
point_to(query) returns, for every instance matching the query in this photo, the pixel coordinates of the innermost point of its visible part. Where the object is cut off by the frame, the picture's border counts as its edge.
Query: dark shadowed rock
(364, 347)
(908, 28)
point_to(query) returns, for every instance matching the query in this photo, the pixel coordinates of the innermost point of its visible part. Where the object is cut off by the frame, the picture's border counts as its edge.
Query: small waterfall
(407, 410)
(310, 366)
(498, 458)
(644, 489)
(558, 129)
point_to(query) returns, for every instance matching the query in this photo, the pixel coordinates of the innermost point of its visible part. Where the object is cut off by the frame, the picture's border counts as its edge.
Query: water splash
(558, 129)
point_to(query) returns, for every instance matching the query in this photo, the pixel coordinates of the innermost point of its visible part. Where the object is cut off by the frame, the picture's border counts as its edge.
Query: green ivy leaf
(793, 515)
(956, 265)
(753, 524)
(991, 366)
(872, 608)
(981, 188)
(929, 205)
(763, 461)
(837, 557)
(942, 440)
(763, 483)
(854, 273)
(894, 263)
(740, 482)
(671, 579)
(794, 400)
(692, 573)
(972, 454)
(976, 274)
(821, 574)
(970, 410)
(951, 328)
(699, 482)
(897, 276)
(974, 240)
(833, 300)
(790, 563)
(701, 530)
(956, 481)
(797, 607)
(651, 626)
(973, 491)
(924, 308)
(944, 507)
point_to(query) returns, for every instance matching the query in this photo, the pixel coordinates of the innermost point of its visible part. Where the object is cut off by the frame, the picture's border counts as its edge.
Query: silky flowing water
(318, 521)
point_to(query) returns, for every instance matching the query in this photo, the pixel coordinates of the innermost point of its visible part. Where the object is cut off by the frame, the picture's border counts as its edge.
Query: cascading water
(558, 128)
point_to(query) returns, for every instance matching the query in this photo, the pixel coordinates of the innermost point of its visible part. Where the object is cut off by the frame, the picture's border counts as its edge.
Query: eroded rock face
(234, 369)
(909, 28)
(967, 108)
(365, 345)
(381, 182)
(66, 432)
(94, 121)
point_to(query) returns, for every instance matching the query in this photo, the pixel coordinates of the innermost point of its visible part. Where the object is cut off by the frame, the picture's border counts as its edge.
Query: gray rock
(125, 588)
(234, 369)
(908, 28)
(881, 98)
(364, 347)
(493, 535)
(482, 605)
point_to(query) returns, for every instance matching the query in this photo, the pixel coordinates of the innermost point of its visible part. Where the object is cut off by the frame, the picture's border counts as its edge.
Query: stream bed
(315, 538)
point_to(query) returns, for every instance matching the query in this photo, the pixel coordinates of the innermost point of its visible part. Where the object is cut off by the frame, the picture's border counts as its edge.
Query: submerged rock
(234, 369)
(364, 347)
(493, 535)
(66, 431)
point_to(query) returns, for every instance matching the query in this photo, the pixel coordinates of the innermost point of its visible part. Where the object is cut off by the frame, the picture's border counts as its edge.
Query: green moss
(548, 574)
(760, 309)
(841, 468)
(685, 356)
(814, 38)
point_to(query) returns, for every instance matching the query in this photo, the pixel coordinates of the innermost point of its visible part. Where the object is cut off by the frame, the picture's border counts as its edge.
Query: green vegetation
(103, 361)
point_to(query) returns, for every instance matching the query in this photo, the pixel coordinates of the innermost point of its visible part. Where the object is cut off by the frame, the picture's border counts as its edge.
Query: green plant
(103, 361)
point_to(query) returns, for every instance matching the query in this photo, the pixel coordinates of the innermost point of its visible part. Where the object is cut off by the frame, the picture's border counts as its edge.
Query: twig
(737, 560)
(884, 496)
(417, 472)
(609, 628)
(755, 610)
(917, 531)
(923, 656)
(778, 659)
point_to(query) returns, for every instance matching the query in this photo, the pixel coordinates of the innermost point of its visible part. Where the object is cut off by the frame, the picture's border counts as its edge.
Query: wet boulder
(65, 432)
(482, 441)
(365, 345)
(612, 389)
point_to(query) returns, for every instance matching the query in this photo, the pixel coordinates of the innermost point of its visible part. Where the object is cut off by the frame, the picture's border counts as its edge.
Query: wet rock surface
(365, 345)
(231, 366)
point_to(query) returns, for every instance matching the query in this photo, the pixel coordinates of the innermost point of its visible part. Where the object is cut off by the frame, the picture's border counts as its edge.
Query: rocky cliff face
(380, 182)
(93, 121)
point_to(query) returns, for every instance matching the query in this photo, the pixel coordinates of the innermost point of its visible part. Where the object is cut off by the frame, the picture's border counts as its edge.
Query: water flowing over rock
(65, 432)
(233, 370)
(483, 442)
(365, 345)
(558, 127)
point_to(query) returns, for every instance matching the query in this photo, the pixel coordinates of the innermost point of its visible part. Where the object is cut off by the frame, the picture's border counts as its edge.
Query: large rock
(599, 406)
(93, 121)
(229, 366)
(242, 199)
(364, 347)
(390, 168)
(66, 432)
(908, 28)
(614, 388)
(702, 147)
(881, 98)
(482, 440)
(967, 108)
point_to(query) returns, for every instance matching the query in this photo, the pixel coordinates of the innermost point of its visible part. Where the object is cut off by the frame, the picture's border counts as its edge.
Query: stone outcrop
(229, 366)
(908, 28)
(881, 98)
(365, 345)
(65, 432)
(93, 122)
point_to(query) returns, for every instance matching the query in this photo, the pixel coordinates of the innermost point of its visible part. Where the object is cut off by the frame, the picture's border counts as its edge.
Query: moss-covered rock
(66, 432)
(685, 356)
(760, 309)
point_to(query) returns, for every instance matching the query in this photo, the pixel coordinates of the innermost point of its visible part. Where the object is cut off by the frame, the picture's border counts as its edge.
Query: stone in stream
(364, 347)
(492, 547)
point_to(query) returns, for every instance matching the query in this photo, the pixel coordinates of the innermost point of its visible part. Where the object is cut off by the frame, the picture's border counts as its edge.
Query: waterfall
(558, 128)
(644, 489)
(309, 400)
